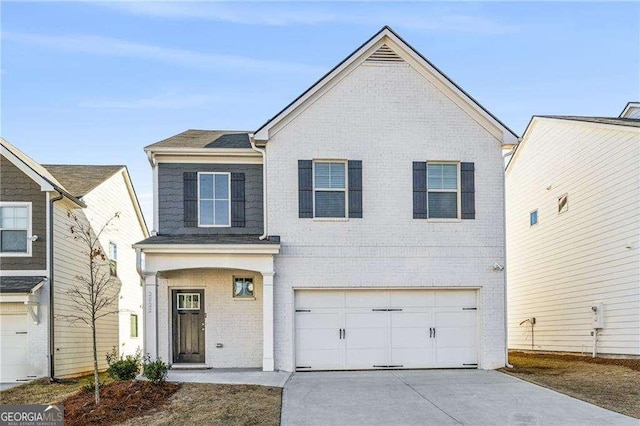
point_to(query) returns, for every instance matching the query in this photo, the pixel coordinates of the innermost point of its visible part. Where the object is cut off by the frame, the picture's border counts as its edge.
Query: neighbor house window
(15, 229)
(443, 191)
(563, 203)
(134, 325)
(113, 259)
(243, 287)
(533, 218)
(329, 187)
(188, 301)
(214, 199)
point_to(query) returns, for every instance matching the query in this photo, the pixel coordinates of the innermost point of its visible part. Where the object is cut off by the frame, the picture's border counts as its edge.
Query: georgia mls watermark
(32, 415)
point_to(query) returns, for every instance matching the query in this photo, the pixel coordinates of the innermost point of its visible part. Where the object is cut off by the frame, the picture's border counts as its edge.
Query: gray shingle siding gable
(17, 186)
(171, 204)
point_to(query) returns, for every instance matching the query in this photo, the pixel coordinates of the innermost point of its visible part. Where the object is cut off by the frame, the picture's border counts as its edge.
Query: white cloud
(105, 46)
(421, 16)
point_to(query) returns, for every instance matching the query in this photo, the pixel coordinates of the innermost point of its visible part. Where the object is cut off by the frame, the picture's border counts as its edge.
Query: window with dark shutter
(467, 190)
(355, 188)
(305, 188)
(237, 200)
(190, 196)
(419, 190)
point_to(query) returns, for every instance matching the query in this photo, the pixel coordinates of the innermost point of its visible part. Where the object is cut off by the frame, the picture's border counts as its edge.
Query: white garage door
(13, 350)
(370, 329)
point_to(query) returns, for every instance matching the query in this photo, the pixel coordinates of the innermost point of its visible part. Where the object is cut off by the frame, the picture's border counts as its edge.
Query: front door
(188, 326)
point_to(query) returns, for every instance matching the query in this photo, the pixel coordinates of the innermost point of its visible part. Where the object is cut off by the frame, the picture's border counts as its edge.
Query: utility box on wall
(598, 315)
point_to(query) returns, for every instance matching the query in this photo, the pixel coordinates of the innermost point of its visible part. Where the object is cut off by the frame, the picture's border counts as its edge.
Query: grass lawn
(42, 392)
(613, 384)
(191, 404)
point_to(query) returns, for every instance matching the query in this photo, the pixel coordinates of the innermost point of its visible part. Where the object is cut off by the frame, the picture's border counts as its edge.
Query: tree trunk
(96, 378)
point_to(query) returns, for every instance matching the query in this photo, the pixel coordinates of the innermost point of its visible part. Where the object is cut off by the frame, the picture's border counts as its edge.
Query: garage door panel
(319, 359)
(319, 299)
(366, 338)
(410, 319)
(459, 318)
(366, 299)
(456, 337)
(411, 298)
(366, 358)
(455, 357)
(13, 348)
(366, 320)
(457, 298)
(410, 338)
(412, 357)
(314, 319)
(315, 338)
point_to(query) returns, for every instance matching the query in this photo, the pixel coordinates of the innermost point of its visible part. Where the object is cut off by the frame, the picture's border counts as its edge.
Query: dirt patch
(119, 401)
(199, 403)
(611, 383)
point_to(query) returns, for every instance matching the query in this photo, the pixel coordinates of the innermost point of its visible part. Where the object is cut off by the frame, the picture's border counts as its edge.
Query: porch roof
(20, 284)
(207, 240)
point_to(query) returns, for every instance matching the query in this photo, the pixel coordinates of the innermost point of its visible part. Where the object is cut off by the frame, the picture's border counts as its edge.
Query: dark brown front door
(188, 326)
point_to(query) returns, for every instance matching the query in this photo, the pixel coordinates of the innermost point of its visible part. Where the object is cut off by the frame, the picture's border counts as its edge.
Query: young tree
(95, 293)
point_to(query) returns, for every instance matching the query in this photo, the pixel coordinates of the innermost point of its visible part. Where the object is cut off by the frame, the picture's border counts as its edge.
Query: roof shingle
(205, 139)
(22, 284)
(206, 239)
(630, 122)
(79, 180)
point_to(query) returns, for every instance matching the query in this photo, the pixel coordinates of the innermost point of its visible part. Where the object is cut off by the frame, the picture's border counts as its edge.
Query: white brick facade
(387, 117)
(235, 323)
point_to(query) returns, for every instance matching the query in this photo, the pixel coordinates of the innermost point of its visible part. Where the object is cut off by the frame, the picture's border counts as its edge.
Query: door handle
(434, 332)
(339, 333)
(430, 332)
(344, 333)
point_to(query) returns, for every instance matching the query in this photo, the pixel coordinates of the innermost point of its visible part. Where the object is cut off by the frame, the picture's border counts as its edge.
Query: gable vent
(384, 54)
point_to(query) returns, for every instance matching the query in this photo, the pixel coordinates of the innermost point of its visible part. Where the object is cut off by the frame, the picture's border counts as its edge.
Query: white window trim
(233, 288)
(28, 205)
(531, 225)
(200, 225)
(458, 191)
(345, 190)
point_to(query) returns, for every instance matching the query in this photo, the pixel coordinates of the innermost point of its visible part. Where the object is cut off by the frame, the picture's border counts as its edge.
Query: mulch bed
(633, 364)
(118, 401)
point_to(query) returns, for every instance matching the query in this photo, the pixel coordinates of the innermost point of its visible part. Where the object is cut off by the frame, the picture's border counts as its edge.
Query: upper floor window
(563, 203)
(15, 229)
(443, 191)
(533, 218)
(329, 187)
(113, 259)
(214, 191)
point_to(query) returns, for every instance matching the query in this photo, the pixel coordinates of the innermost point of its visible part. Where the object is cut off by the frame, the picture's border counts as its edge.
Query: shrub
(124, 368)
(155, 371)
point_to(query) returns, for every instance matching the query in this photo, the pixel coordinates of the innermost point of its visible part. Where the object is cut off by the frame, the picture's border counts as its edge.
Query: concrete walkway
(433, 397)
(233, 376)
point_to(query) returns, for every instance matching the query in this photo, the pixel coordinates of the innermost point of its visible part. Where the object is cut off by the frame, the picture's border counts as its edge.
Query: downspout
(51, 312)
(504, 229)
(264, 184)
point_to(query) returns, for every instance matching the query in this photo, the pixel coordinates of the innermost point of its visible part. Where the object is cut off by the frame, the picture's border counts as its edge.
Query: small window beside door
(188, 301)
(134, 325)
(533, 218)
(563, 203)
(243, 288)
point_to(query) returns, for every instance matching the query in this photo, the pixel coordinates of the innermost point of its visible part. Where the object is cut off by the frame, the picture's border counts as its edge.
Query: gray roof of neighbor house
(206, 239)
(205, 139)
(631, 122)
(79, 180)
(20, 284)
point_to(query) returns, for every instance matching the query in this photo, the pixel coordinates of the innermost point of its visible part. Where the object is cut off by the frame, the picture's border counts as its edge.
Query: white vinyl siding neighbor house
(581, 177)
(384, 223)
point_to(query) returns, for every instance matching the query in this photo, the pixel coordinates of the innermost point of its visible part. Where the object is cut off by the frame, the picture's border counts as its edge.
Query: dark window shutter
(467, 190)
(305, 188)
(419, 190)
(237, 200)
(190, 194)
(355, 188)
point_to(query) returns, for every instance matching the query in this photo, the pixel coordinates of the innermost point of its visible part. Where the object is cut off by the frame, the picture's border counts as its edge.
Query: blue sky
(93, 83)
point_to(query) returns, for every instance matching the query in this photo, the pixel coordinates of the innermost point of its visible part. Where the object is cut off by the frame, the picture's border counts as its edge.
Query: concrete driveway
(433, 397)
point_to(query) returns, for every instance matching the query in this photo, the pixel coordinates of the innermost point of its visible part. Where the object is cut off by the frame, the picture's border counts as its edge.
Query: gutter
(264, 185)
(51, 306)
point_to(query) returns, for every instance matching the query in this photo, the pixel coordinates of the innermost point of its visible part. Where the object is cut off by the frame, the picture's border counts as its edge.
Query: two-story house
(362, 227)
(40, 261)
(573, 235)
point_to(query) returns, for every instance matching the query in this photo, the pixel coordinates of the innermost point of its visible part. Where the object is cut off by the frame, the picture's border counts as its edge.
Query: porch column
(150, 319)
(267, 321)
